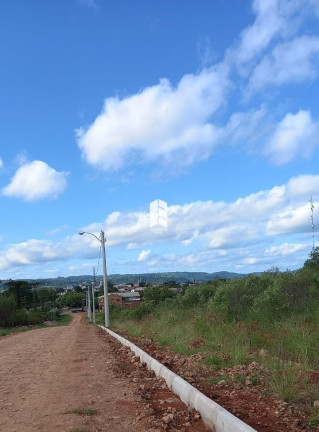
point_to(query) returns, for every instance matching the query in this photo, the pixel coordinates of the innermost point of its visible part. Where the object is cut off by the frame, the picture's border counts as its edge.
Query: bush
(158, 295)
(52, 315)
(71, 299)
(35, 318)
(235, 298)
(290, 293)
(199, 294)
(20, 317)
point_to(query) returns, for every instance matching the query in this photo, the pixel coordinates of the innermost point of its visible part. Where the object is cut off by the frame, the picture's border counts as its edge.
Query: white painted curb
(215, 417)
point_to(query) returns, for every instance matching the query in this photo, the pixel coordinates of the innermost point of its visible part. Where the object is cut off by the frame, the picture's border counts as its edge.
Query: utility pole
(106, 295)
(89, 305)
(94, 275)
(93, 303)
(86, 304)
(93, 298)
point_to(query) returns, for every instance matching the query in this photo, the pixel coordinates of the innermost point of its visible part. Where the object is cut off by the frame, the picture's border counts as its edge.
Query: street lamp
(106, 297)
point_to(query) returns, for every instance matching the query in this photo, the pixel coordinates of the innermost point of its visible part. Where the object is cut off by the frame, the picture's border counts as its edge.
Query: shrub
(289, 293)
(158, 295)
(199, 294)
(52, 315)
(235, 298)
(35, 318)
(20, 317)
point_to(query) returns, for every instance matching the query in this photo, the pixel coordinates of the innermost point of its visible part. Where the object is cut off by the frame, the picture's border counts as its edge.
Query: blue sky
(105, 106)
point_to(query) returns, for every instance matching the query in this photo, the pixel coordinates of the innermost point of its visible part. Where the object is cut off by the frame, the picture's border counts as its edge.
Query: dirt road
(46, 372)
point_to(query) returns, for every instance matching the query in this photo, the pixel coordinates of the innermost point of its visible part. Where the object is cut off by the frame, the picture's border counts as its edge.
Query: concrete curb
(215, 417)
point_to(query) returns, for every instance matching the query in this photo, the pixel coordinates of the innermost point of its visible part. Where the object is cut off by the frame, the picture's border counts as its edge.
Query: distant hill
(179, 277)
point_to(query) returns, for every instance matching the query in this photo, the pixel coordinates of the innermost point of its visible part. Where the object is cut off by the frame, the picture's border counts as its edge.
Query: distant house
(125, 300)
(123, 287)
(139, 289)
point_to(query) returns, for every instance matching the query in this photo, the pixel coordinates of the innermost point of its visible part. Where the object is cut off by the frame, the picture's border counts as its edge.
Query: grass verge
(287, 348)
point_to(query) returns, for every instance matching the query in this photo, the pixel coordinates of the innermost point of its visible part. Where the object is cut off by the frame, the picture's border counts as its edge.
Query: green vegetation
(81, 411)
(272, 319)
(25, 304)
(64, 319)
(72, 299)
(61, 320)
(314, 421)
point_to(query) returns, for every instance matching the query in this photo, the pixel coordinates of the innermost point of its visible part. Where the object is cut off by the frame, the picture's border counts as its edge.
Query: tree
(158, 295)
(313, 260)
(7, 308)
(72, 299)
(171, 284)
(46, 296)
(22, 292)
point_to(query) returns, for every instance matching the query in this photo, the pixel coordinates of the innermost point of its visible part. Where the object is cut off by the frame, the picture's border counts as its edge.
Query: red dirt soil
(47, 373)
(245, 399)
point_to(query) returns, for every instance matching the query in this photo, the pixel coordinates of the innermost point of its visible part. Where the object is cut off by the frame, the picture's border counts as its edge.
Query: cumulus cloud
(207, 232)
(31, 251)
(276, 20)
(289, 220)
(144, 255)
(35, 181)
(1, 163)
(284, 249)
(183, 124)
(270, 21)
(292, 61)
(295, 136)
(161, 123)
(302, 186)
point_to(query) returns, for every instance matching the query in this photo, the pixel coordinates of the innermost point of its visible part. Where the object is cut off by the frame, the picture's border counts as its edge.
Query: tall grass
(273, 319)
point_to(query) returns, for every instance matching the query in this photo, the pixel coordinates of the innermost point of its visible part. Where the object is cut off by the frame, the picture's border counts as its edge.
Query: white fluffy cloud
(289, 220)
(1, 163)
(284, 249)
(296, 135)
(236, 233)
(159, 123)
(270, 21)
(276, 20)
(144, 255)
(183, 125)
(292, 61)
(31, 251)
(35, 181)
